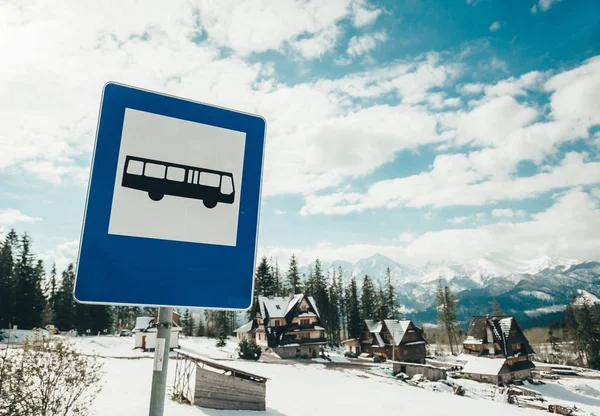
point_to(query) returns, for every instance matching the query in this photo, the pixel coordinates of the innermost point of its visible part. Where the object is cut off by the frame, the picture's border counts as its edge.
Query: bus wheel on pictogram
(156, 196)
(209, 203)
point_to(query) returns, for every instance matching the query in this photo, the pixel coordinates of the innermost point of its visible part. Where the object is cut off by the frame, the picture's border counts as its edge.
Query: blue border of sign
(123, 270)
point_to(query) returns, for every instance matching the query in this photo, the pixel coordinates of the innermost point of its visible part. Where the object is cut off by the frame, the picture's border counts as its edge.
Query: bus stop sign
(172, 210)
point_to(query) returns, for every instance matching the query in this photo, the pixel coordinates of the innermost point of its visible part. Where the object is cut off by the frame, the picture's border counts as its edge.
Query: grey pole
(161, 361)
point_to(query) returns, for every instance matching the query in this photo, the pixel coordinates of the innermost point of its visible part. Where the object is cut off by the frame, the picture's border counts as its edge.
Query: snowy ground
(326, 388)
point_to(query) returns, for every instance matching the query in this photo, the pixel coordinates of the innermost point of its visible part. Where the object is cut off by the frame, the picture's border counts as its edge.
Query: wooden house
(496, 350)
(290, 326)
(399, 340)
(204, 382)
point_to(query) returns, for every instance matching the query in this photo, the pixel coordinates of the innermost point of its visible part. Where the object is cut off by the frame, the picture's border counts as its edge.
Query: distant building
(291, 326)
(496, 350)
(397, 339)
(145, 332)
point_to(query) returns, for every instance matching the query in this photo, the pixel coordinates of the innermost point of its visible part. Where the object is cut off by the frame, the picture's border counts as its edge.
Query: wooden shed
(207, 383)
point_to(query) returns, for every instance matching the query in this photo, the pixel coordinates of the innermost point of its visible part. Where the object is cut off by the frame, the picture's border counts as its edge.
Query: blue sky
(422, 130)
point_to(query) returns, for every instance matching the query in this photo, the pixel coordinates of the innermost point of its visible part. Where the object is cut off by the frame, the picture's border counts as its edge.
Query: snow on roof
(314, 304)
(373, 326)
(379, 339)
(472, 340)
(293, 302)
(397, 328)
(142, 322)
(306, 314)
(506, 324)
(275, 306)
(320, 328)
(487, 366)
(247, 327)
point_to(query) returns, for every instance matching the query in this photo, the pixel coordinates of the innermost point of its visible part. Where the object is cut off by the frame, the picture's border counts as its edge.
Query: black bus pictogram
(160, 178)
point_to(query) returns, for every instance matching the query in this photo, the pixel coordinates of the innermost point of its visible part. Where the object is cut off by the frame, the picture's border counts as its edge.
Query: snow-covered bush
(47, 377)
(248, 350)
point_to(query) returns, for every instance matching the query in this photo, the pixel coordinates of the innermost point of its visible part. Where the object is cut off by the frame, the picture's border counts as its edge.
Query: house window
(404, 352)
(277, 322)
(304, 335)
(513, 333)
(516, 346)
(304, 321)
(277, 307)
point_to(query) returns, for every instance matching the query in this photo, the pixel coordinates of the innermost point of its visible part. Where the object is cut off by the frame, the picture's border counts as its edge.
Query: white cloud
(507, 212)
(360, 45)
(452, 182)
(317, 45)
(563, 230)
(458, 220)
(407, 237)
(279, 212)
(258, 26)
(13, 216)
(364, 14)
(61, 255)
(473, 88)
(575, 94)
(543, 5)
(495, 26)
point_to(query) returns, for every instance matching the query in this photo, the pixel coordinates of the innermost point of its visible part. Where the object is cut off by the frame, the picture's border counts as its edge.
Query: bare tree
(47, 377)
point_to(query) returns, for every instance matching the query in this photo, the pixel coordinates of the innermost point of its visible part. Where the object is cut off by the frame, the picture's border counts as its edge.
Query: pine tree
(321, 293)
(383, 311)
(276, 278)
(368, 299)
(187, 324)
(309, 283)
(390, 295)
(496, 309)
(65, 311)
(335, 294)
(264, 282)
(355, 320)
(200, 330)
(293, 276)
(28, 295)
(343, 293)
(7, 282)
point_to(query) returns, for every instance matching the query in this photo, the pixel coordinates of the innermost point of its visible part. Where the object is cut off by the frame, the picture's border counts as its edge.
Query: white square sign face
(177, 180)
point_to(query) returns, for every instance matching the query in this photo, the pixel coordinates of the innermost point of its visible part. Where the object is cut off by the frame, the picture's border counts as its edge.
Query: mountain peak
(549, 263)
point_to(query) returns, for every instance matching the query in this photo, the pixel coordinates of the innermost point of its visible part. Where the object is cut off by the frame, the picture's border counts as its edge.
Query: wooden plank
(204, 377)
(226, 394)
(229, 405)
(200, 386)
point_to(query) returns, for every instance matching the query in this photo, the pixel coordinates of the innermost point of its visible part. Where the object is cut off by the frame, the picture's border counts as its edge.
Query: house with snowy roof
(397, 339)
(291, 326)
(496, 350)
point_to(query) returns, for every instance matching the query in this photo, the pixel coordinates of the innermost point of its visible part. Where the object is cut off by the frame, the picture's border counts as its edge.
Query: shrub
(248, 350)
(47, 377)
(221, 340)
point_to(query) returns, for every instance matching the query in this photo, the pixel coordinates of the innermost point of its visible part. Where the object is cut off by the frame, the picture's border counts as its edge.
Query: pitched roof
(279, 307)
(275, 307)
(247, 327)
(397, 328)
(314, 305)
(501, 327)
(486, 366)
(379, 339)
(373, 325)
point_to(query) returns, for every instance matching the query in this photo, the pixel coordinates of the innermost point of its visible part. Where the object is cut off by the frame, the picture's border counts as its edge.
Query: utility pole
(161, 361)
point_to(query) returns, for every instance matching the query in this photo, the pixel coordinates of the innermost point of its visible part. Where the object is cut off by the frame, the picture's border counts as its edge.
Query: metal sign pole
(161, 361)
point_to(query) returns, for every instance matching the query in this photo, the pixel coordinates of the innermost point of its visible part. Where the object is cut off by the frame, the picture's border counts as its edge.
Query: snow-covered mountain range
(533, 290)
